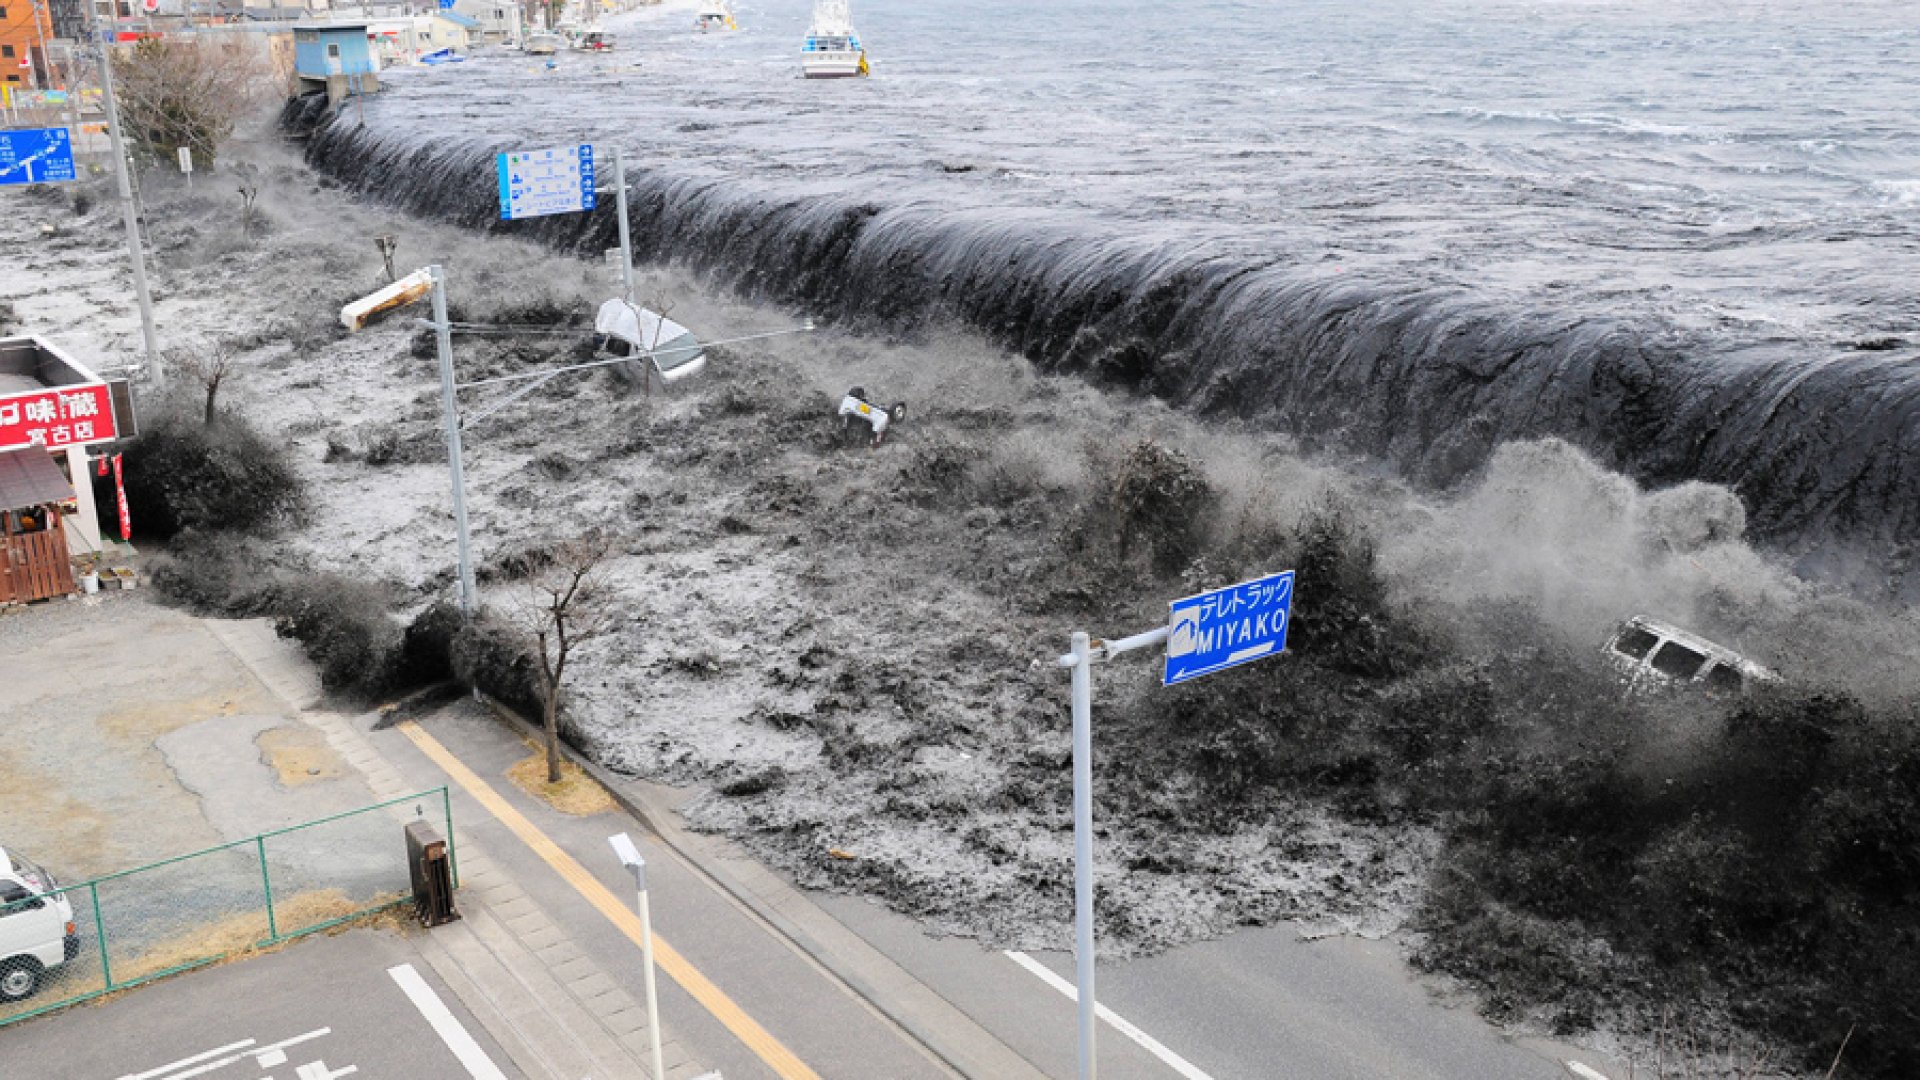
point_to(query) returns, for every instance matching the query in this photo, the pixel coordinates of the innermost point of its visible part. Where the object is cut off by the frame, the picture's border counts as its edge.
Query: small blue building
(336, 58)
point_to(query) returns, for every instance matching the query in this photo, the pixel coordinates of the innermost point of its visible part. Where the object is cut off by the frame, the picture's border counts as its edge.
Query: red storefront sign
(120, 490)
(63, 416)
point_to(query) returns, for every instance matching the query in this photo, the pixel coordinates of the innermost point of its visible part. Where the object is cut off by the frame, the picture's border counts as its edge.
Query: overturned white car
(627, 329)
(1651, 653)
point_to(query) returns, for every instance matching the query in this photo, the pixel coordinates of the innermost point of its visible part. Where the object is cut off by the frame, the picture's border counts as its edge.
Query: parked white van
(36, 926)
(1651, 653)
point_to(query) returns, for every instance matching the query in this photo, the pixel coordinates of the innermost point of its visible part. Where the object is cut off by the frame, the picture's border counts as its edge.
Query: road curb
(658, 818)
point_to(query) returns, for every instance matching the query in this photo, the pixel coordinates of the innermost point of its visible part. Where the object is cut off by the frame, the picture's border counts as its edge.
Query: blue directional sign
(36, 156)
(534, 183)
(1227, 627)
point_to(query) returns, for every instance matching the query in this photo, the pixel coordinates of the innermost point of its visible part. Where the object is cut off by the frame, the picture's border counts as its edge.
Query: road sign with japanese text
(63, 416)
(36, 156)
(1228, 627)
(534, 183)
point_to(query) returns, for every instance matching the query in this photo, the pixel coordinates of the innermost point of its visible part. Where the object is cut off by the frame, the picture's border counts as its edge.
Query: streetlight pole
(132, 217)
(450, 406)
(631, 859)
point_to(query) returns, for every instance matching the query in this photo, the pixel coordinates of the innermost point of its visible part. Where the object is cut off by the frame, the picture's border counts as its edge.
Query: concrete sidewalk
(542, 997)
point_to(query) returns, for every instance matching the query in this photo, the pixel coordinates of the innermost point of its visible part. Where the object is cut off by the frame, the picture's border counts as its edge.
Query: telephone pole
(150, 340)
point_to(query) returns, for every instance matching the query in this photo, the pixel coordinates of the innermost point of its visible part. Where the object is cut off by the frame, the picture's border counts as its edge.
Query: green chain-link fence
(60, 944)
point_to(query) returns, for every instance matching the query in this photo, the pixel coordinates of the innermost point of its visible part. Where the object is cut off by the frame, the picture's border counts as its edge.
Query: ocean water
(1683, 235)
(1740, 165)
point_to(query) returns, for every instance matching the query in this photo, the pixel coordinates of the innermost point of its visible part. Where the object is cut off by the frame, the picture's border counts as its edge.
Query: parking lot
(364, 1004)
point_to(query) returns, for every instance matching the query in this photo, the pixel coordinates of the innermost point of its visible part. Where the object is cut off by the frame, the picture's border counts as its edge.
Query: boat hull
(850, 65)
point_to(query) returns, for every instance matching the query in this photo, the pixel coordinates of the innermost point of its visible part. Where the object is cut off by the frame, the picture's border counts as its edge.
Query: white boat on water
(544, 43)
(715, 15)
(833, 50)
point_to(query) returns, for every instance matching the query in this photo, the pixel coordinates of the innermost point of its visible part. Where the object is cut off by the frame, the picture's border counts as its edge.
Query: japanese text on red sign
(68, 416)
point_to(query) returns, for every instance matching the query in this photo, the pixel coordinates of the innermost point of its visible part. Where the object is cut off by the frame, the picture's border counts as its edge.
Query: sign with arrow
(534, 183)
(36, 156)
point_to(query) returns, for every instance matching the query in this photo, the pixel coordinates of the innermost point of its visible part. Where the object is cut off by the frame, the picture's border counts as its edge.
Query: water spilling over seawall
(1824, 450)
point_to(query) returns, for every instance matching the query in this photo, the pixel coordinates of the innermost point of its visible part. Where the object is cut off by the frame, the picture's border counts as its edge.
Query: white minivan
(1651, 653)
(36, 926)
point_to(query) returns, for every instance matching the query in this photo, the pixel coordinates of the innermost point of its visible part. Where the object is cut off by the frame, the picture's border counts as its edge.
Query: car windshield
(37, 879)
(1634, 642)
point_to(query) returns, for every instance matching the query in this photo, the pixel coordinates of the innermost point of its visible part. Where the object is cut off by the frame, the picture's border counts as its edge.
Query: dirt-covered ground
(850, 648)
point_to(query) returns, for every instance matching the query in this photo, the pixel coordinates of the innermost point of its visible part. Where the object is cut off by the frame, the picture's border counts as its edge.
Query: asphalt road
(324, 1007)
(1256, 1005)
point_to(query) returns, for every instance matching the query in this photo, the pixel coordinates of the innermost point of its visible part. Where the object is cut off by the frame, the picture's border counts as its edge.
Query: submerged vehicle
(715, 15)
(36, 927)
(627, 329)
(833, 50)
(543, 43)
(1651, 653)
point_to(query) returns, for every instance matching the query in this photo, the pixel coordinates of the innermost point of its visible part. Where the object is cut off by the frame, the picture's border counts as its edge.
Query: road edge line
(1114, 1020)
(758, 1040)
(445, 1024)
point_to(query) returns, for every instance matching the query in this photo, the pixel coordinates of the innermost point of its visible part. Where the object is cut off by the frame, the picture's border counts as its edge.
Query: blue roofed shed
(336, 58)
(332, 49)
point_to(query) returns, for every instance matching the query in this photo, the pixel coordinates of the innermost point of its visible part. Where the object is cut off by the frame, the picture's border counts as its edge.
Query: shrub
(494, 657)
(185, 474)
(227, 574)
(346, 630)
(1162, 505)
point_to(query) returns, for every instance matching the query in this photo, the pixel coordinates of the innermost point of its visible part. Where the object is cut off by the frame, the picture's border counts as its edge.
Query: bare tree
(207, 363)
(570, 606)
(249, 176)
(190, 92)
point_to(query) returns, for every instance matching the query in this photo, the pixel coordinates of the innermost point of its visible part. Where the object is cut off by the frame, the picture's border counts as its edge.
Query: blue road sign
(36, 156)
(534, 183)
(1227, 627)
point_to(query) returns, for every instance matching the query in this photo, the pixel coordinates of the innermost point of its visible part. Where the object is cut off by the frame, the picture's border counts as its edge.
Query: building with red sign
(53, 411)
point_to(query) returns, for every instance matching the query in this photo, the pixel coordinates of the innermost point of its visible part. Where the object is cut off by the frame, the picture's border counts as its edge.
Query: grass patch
(577, 793)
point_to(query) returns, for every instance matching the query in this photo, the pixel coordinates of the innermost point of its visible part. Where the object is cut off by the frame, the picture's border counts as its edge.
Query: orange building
(25, 30)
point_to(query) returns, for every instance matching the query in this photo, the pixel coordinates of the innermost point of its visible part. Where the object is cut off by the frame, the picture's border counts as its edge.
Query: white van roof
(647, 329)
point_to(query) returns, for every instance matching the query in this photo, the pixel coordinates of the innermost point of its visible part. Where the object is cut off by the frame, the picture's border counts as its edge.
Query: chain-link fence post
(453, 861)
(266, 886)
(100, 933)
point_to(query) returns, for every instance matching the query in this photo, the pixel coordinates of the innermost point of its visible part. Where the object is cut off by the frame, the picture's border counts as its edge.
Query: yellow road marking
(769, 1049)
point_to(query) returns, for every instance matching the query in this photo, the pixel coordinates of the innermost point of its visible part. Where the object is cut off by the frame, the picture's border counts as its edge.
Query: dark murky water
(1686, 237)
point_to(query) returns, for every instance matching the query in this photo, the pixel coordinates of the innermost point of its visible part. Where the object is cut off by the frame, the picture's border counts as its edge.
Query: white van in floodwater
(36, 927)
(627, 329)
(1651, 653)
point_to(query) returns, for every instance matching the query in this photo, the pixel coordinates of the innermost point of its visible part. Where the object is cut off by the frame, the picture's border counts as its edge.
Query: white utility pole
(626, 242)
(631, 859)
(450, 405)
(1080, 662)
(128, 212)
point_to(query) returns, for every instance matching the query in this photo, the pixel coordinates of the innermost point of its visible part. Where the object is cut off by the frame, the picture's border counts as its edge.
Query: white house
(500, 20)
(406, 40)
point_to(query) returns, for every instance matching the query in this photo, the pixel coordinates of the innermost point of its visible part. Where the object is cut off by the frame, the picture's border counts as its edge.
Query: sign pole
(1206, 633)
(1083, 845)
(450, 405)
(626, 241)
(131, 216)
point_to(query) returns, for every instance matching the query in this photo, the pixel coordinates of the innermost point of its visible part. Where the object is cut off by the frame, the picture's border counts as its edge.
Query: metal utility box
(432, 873)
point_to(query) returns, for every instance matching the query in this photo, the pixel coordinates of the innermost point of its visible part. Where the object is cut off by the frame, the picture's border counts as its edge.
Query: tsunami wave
(1823, 451)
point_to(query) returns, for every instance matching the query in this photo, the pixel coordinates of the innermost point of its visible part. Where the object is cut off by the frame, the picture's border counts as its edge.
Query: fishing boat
(833, 50)
(715, 15)
(544, 43)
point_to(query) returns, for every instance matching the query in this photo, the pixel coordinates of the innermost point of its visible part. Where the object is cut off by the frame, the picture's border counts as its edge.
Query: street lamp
(629, 857)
